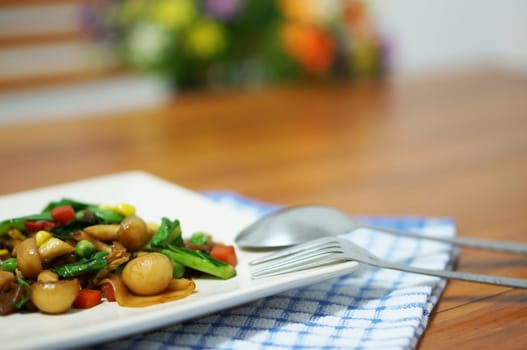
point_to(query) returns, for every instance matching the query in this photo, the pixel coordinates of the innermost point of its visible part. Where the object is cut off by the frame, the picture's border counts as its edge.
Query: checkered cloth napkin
(368, 309)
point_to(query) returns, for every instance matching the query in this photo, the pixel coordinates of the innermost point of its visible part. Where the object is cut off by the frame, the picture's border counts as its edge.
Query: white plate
(153, 198)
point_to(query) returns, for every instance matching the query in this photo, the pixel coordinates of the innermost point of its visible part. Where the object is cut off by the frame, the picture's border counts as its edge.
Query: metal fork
(332, 249)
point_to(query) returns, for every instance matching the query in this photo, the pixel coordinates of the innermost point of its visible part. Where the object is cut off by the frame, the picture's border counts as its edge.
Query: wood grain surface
(450, 146)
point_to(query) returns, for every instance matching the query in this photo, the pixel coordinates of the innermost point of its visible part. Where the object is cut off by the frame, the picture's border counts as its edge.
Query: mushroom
(148, 274)
(10, 292)
(28, 258)
(53, 248)
(133, 233)
(54, 297)
(47, 276)
(103, 232)
(6, 278)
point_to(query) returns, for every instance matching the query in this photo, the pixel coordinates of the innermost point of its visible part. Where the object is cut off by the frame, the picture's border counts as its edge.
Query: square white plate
(153, 199)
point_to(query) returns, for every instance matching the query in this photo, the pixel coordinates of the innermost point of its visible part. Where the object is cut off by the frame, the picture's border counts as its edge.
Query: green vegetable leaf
(178, 270)
(169, 233)
(106, 216)
(66, 201)
(96, 262)
(200, 261)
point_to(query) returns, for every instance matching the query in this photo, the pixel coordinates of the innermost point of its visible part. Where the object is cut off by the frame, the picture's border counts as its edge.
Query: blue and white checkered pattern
(368, 309)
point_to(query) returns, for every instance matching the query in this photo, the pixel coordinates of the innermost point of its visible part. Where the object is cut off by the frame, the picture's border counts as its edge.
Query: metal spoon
(300, 224)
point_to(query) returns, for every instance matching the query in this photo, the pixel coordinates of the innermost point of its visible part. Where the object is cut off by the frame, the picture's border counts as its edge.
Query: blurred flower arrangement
(225, 43)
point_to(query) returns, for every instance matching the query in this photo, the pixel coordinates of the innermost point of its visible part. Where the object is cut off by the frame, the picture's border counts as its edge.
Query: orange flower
(311, 11)
(301, 11)
(312, 47)
(355, 11)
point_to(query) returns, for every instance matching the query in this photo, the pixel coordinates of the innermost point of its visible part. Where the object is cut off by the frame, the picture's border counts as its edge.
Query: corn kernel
(4, 251)
(124, 209)
(42, 236)
(152, 226)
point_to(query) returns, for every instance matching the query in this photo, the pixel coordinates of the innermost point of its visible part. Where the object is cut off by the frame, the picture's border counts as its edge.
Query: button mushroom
(133, 233)
(28, 258)
(53, 248)
(148, 274)
(103, 232)
(10, 292)
(54, 297)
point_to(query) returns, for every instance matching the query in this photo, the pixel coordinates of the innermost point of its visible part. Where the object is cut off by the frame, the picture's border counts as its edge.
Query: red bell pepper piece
(225, 253)
(63, 214)
(87, 298)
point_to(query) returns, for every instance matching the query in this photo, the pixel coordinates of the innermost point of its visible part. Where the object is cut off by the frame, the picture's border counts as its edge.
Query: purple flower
(223, 10)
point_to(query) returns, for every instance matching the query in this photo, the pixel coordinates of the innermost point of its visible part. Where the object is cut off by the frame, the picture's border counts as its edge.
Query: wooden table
(453, 147)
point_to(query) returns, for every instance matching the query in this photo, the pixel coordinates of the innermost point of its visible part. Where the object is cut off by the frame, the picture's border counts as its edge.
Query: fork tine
(279, 268)
(314, 244)
(300, 257)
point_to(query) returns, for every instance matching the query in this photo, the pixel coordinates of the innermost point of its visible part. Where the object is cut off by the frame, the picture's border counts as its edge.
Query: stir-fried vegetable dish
(77, 255)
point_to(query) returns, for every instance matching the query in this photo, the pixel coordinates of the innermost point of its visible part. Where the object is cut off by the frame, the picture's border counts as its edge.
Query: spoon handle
(510, 247)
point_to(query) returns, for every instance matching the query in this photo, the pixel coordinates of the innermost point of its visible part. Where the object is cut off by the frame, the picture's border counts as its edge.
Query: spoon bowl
(299, 224)
(294, 225)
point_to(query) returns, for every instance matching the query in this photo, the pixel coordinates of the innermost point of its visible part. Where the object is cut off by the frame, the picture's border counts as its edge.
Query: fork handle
(510, 247)
(458, 275)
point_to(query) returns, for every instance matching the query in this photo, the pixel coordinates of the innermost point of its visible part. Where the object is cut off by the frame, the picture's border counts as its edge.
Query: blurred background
(78, 58)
